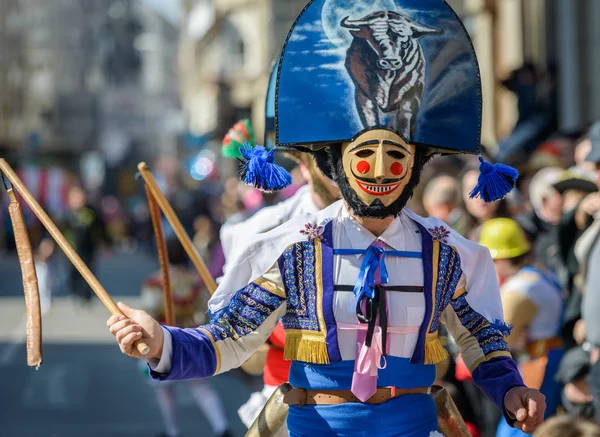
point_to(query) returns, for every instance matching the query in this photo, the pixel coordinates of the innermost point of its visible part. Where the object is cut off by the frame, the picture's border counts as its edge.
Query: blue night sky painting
(337, 80)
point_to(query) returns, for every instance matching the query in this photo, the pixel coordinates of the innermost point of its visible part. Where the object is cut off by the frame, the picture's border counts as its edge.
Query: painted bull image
(390, 41)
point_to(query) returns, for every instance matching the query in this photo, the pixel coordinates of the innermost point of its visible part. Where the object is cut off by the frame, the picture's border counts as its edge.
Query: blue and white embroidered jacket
(297, 273)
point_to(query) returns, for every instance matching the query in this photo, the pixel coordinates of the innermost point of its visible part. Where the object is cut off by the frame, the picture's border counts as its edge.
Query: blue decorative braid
(502, 326)
(449, 273)
(289, 276)
(489, 336)
(248, 309)
(300, 286)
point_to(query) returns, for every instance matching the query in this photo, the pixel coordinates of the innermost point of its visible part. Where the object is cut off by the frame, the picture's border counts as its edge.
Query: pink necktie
(364, 378)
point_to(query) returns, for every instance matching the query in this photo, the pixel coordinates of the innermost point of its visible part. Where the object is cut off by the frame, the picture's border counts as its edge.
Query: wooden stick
(163, 258)
(33, 313)
(184, 238)
(65, 246)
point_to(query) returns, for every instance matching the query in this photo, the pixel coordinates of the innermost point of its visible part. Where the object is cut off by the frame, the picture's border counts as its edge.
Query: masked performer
(362, 287)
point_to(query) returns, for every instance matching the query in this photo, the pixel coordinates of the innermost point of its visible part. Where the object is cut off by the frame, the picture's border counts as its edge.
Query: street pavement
(86, 387)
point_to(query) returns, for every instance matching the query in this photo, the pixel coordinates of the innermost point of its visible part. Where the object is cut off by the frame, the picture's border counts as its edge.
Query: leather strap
(395, 288)
(540, 348)
(302, 397)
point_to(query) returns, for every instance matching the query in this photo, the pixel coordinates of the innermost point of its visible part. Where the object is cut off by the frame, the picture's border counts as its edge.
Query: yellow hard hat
(504, 238)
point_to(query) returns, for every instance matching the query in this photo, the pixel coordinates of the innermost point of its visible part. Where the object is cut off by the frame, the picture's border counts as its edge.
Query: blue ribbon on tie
(365, 284)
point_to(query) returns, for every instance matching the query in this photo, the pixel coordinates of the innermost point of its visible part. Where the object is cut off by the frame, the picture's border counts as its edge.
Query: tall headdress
(408, 66)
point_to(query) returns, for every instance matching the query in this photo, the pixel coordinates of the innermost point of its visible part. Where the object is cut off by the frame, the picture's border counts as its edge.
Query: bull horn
(421, 30)
(352, 24)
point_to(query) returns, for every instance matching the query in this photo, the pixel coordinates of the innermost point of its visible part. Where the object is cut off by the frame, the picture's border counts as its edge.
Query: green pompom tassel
(239, 135)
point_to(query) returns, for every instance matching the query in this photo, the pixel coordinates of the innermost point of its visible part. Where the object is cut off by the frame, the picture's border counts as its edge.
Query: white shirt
(408, 308)
(259, 259)
(545, 296)
(235, 237)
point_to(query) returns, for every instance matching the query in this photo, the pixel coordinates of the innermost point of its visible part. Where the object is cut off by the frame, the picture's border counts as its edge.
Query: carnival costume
(373, 89)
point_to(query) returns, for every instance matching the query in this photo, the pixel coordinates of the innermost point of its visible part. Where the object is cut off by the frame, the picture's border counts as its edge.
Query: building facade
(73, 73)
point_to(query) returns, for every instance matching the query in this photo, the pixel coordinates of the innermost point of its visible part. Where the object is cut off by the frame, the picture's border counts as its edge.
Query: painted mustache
(374, 181)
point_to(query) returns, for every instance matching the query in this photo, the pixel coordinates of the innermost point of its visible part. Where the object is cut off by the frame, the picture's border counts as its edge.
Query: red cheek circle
(363, 167)
(397, 168)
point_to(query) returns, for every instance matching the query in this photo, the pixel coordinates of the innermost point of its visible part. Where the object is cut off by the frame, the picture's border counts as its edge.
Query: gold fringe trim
(458, 293)
(434, 351)
(308, 350)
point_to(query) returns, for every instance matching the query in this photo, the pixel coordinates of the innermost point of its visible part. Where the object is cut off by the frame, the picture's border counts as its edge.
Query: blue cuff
(496, 378)
(193, 355)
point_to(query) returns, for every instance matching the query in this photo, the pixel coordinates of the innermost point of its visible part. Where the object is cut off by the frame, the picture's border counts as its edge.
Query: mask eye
(365, 153)
(395, 154)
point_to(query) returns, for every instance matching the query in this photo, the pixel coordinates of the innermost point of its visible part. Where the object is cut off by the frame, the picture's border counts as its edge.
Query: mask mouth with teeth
(377, 172)
(371, 187)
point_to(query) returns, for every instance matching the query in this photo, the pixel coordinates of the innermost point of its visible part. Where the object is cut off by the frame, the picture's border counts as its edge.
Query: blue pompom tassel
(259, 169)
(495, 181)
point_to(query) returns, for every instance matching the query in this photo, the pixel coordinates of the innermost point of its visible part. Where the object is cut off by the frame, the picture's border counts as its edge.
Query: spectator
(206, 240)
(541, 224)
(537, 113)
(476, 210)
(582, 149)
(540, 160)
(441, 200)
(545, 200)
(574, 186)
(567, 427)
(573, 374)
(46, 273)
(86, 232)
(587, 251)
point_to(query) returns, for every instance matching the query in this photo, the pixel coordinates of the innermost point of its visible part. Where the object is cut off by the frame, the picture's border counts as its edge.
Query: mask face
(378, 166)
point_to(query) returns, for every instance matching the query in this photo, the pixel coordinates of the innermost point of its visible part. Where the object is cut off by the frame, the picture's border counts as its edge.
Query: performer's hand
(136, 325)
(528, 406)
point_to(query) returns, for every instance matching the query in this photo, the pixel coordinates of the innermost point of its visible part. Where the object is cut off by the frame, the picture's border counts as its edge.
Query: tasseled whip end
(259, 170)
(495, 181)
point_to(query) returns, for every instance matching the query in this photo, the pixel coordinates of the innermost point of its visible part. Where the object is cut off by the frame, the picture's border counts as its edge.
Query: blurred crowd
(542, 238)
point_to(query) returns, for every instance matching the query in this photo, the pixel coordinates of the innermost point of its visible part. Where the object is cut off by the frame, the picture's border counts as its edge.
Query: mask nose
(379, 165)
